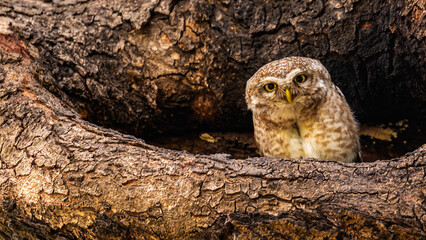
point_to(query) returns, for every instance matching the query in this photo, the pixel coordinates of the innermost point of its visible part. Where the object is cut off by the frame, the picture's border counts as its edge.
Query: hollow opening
(200, 123)
(197, 125)
(148, 79)
(379, 141)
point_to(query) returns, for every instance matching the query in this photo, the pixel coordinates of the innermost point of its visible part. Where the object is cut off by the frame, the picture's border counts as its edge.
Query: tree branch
(135, 64)
(62, 176)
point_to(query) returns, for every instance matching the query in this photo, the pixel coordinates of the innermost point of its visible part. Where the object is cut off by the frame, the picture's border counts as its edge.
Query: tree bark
(62, 177)
(156, 66)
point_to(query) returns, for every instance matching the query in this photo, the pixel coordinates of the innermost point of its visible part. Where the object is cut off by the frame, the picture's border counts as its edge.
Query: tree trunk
(62, 177)
(156, 66)
(133, 65)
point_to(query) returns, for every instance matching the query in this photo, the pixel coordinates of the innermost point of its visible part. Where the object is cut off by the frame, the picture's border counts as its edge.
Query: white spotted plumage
(301, 118)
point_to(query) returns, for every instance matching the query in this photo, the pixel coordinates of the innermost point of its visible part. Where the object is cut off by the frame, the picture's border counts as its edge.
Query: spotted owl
(299, 112)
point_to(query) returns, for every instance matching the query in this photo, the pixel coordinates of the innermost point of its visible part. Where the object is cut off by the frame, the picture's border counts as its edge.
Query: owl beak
(288, 95)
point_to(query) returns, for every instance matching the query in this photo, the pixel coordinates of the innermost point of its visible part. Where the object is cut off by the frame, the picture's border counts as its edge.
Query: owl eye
(300, 78)
(270, 87)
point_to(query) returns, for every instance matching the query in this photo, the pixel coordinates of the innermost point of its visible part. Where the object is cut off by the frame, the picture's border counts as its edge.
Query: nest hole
(378, 141)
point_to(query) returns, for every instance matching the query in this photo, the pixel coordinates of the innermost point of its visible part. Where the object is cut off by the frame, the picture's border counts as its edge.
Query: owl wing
(358, 158)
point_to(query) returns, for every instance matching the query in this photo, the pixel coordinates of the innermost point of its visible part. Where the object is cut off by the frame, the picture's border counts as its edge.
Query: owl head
(288, 83)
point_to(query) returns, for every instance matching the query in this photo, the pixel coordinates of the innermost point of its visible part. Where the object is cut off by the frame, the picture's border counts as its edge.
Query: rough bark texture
(134, 64)
(64, 178)
(153, 66)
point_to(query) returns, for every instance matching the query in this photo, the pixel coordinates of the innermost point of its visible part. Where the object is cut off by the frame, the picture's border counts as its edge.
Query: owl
(299, 112)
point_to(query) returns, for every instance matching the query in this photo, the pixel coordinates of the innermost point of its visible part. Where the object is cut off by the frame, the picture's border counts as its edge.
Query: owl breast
(283, 142)
(326, 134)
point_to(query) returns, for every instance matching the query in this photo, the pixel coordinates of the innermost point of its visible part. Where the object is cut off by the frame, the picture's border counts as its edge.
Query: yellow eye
(300, 78)
(270, 87)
